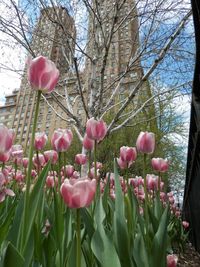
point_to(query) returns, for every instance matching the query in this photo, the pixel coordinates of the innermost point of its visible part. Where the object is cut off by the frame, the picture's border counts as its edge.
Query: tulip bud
(61, 140)
(42, 74)
(40, 141)
(146, 142)
(172, 260)
(51, 155)
(6, 139)
(25, 162)
(159, 164)
(81, 159)
(68, 170)
(96, 130)
(185, 224)
(88, 143)
(78, 193)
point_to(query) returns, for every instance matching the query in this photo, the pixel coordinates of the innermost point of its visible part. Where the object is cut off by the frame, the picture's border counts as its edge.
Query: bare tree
(152, 40)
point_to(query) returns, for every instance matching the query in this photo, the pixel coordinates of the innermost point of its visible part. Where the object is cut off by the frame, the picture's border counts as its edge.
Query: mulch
(190, 257)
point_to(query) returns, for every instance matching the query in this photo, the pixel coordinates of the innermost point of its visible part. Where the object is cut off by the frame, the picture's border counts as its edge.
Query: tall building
(48, 40)
(54, 37)
(118, 31)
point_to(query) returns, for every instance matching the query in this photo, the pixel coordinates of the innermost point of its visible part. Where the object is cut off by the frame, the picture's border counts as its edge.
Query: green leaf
(35, 202)
(14, 232)
(159, 245)
(6, 224)
(102, 244)
(12, 257)
(88, 221)
(122, 238)
(140, 253)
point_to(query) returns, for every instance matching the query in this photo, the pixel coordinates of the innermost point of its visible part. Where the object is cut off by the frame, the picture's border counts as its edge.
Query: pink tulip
(61, 140)
(122, 164)
(25, 162)
(78, 193)
(6, 139)
(17, 154)
(91, 173)
(42, 74)
(159, 164)
(128, 154)
(99, 165)
(68, 170)
(81, 159)
(152, 182)
(50, 181)
(33, 173)
(19, 177)
(2, 179)
(40, 140)
(51, 155)
(172, 260)
(6, 192)
(4, 157)
(96, 130)
(185, 224)
(146, 142)
(39, 160)
(88, 143)
(76, 175)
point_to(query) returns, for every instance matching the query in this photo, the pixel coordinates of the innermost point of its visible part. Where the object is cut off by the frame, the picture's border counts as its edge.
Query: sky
(12, 56)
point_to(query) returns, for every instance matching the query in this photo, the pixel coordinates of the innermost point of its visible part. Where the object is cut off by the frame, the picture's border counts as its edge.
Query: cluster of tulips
(58, 214)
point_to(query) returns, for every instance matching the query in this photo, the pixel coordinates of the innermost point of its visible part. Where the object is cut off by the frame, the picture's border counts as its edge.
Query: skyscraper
(112, 43)
(47, 40)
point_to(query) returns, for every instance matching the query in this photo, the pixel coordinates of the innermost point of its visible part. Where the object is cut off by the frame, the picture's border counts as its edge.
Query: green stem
(145, 178)
(28, 178)
(159, 181)
(145, 188)
(95, 159)
(59, 170)
(78, 236)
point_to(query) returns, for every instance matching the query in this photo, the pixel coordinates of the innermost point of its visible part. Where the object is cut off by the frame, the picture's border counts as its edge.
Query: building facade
(111, 44)
(48, 40)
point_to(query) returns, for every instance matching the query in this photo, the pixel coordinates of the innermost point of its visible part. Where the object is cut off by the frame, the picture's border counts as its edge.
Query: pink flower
(80, 159)
(19, 177)
(88, 143)
(152, 182)
(96, 130)
(33, 173)
(51, 155)
(17, 154)
(146, 142)
(2, 179)
(78, 193)
(122, 164)
(185, 224)
(127, 156)
(68, 170)
(42, 74)
(6, 139)
(40, 140)
(39, 160)
(25, 162)
(99, 165)
(6, 192)
(4, 157)
(172, 260)
(159, 164)
(50, 182)
(61, 140)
